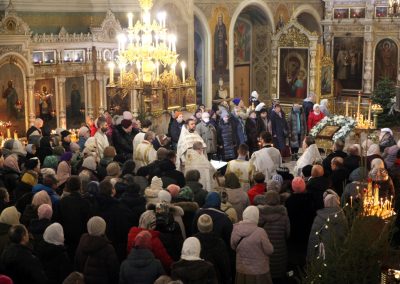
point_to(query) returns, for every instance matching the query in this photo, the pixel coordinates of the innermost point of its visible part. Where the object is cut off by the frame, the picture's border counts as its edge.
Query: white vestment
(137, 140)
(102, 142)
(185, 142)
(263, 163)
(144, 154)
(310, 155)
(196, 161)
(275, 156)
(243, 170)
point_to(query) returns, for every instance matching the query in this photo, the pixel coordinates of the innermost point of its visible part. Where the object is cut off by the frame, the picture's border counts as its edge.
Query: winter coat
(335, 233)
(295, 119)
(22, 187)
(338, 180)
(313, 119)
(37, 228)
(169, 175)
(22, 266)
(175, 131)
(4, 239)
(214, 250)
(227, 140)
(74, 212)
(307, 108)
(209, 134)
(239, 200)
(102, 167)
(157, 246)
(279, 130)
(122, 142)
(140, 267)
(252, 135)
(275, 221)
(194, 272)
(10, 179)
(326, 163)
(190, 209)
(316, 187)
(96, 258)
(301, 212)
(55, 199)
(239, 125)
(55, 260)
(44, 149)
(132, 200)
(351, 163)
(252, 247)
(198, 191)
(257, 189)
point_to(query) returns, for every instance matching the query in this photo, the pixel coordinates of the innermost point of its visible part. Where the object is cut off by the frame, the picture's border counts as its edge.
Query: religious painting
(357, 13)
(293, 73)
(381, 11)
(12, 99)
(156, 100)
(281, 16)
(386, 57)
(75, 101)
(348, 60)
(173, 98)
(341, 13)
(190, 97)
(328, 131)
(242, 82)
(219, 23)
(45, 101)
(326, 76)
(242, 41)
(118, 101)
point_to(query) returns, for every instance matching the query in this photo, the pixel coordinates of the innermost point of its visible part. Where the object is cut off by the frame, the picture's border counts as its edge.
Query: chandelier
(145, 50)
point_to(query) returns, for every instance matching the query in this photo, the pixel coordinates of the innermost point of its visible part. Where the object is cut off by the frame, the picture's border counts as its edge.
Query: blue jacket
(55, 199)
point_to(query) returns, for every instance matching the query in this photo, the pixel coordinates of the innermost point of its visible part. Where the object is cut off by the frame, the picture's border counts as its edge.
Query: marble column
(61, 102)
(31, 100)
(368, 61)
(313, 71)
(89, 87)
(274, 70)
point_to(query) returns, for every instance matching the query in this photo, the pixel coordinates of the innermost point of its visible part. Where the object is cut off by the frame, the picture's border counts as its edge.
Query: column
(274, 70)
(61, 102)
(368, 61)
(134, 103)
(313, 54)
(31, 101)
(89, 103)
(102, 90)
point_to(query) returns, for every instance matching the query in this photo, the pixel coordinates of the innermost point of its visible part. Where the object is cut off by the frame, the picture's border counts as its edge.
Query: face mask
(206, 119)
(104, 129)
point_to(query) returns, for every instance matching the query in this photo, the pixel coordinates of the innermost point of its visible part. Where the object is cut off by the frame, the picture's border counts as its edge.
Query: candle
(111, 66)
(359, 104)
(351, 201)
(8, 133)
(183, 66)
(347, 108)
(130, 20)
(15, 135)
(369, 112)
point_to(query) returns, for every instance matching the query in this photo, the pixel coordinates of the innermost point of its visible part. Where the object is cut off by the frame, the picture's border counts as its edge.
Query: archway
(386, 58)
(251, 25)
(309, 18)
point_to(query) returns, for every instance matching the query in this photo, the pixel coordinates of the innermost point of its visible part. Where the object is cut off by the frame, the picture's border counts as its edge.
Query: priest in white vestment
(309, 157)
(145, 152)
(140, 136)
(241, 168)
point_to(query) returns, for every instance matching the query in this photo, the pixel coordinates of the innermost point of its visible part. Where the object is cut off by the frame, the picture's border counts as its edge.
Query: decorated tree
(384, 94)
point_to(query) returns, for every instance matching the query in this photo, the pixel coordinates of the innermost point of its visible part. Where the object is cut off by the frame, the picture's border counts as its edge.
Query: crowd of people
(126, 205)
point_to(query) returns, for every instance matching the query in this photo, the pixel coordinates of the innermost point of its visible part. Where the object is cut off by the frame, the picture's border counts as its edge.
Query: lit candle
(8, 133)
(15, 135)
(359, 104)
(347, 108)
(369, 111)
(130, 20)
(351, 201)
(111, 66)
(173, 66)
(183, 66)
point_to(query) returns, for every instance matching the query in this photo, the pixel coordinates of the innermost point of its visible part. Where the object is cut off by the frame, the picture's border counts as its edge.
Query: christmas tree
(383, 95)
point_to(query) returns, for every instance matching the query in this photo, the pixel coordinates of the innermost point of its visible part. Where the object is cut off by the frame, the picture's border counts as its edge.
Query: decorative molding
(11, 24)
(108, 30)
(10, 48)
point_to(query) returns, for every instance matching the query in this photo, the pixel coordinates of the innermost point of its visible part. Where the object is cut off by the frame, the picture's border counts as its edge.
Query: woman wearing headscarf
(9, 217)
(53, 254)
(151, 192)
(253, 249)
(64, 169)
(31, 211)
(386, 139)
(297, 128)
(11, 173)
(191, 268)
(380, 177)
(314, 117)
(280, 129)
(38, 225)
(236, 195)
(324, 107)
(89, 167)
(373, 153)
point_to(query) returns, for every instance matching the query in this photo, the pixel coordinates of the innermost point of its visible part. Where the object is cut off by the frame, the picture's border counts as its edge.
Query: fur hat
(96, 226)
(45, 212)
(205, 223)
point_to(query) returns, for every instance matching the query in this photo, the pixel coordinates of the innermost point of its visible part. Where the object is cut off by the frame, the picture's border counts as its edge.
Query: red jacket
(157, 246)
(257, 189)
(313, 119)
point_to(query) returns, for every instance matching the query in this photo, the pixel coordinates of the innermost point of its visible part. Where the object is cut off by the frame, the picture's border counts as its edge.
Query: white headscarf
(310, 155)
(54, 234)
(373, 150)
(191, 249)
(377, 164)
(254, 94)
(251, 214)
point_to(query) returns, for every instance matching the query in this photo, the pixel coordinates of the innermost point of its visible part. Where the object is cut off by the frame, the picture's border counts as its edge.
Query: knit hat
(236, 101)
(113, 169)
(83, 131)
(45, 212)
(173, 189)
(127, 115)
(164, 196)
(298, 185)
(74, 147)
(67, 156)
(148, 220)
(41, 197)
(186, 194)
(251, 214)
(177, 114)
(272, 198)
(31, 163)
(277, 178)
(47, 171)
(156, 182)
(331, 199)
(213, 200)
(96, 226)
(143, 240)
(10, 216)
(126, 123)
(90, 163)
(109, 152)
(205, 223)
(65, 133)
(191, 249)
(54, 234)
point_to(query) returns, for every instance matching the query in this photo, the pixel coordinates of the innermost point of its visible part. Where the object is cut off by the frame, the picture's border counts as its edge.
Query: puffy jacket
(209, 134)
(55, 199)
(239, 200)
(227, 140)
(313, 119)
(257, 189)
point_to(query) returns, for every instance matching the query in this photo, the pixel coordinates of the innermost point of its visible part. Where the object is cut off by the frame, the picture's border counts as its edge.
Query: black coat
(132, 199)
(140, 267)
(252, 135)
(123, 142)
(174, 131)
(44, 149)
(119, 220)
(280, 129)
(20, 190)
(55, 260)
(326, 163)
(10, 179)
(307, 107)
(339, 180)
(22, 266)
(351, 163)
(200, 194)
(97, 260)
(102, 168)
(73, 216)
(194, 272)
(213, 249)
(227, 139)
(316, 187)
(37, 228)
(169, 175)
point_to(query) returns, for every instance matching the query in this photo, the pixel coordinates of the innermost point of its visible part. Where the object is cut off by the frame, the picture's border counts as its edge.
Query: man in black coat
(338, 147)
(122, 137)
(74, 212)
(118, 216)
(353, 160)
(175, 127)
(317, 185)
(168, 173)
(338, 176)
(17, 260)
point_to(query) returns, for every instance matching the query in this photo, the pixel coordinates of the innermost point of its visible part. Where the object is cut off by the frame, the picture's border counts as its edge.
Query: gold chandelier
(145, 49)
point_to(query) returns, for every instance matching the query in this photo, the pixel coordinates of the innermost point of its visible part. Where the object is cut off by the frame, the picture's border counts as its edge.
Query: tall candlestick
(111, 66)
(183, 66)
(173, 66)
(369, 111)
(359, 104)
(347, 108)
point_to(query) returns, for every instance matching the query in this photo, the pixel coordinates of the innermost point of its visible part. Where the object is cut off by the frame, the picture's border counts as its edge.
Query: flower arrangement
(347, 124)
